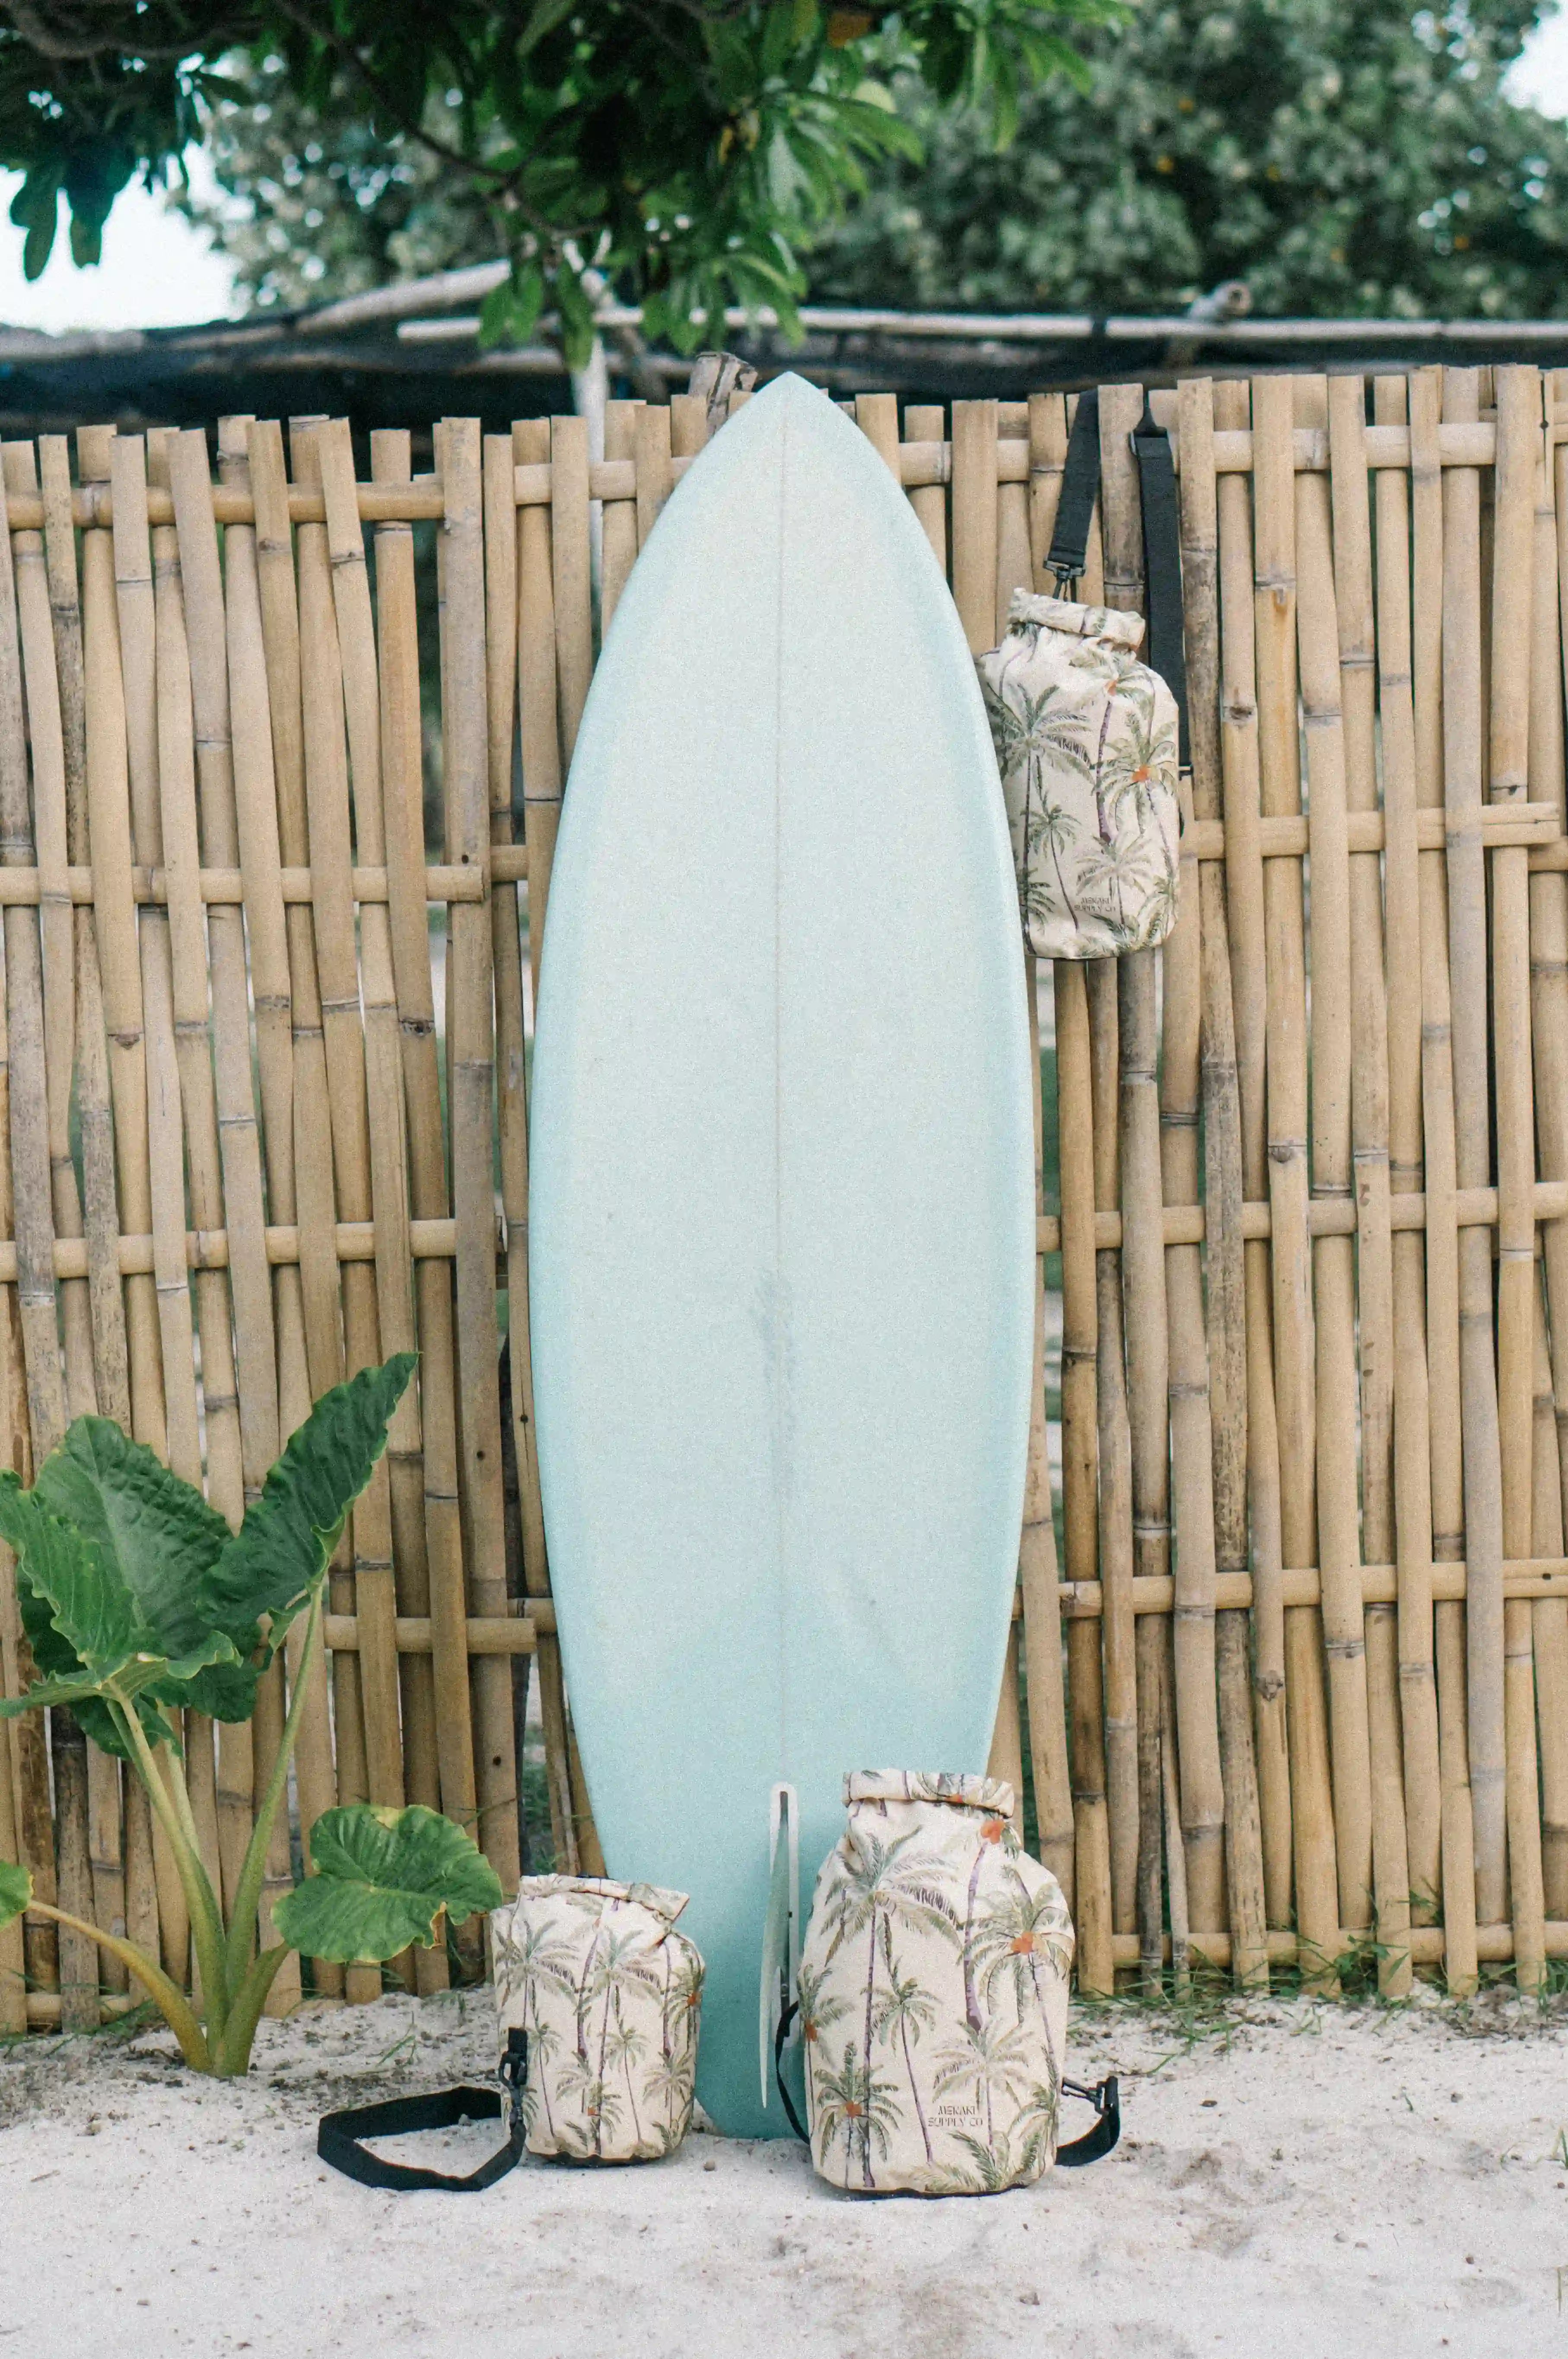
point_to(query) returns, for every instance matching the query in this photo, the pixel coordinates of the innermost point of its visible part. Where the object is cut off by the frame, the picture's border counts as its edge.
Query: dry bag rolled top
(608, 1993)
(1086, 742)
(933, 1992)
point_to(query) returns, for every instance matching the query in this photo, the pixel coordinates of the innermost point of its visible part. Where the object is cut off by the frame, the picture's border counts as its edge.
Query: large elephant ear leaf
(57, 1664)
(157, 1532)
(272, 1564)
(89, 1602)
(382, 1879)
(16, 1891)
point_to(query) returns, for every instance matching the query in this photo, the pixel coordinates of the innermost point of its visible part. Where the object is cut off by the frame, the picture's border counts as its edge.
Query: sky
(159, 272)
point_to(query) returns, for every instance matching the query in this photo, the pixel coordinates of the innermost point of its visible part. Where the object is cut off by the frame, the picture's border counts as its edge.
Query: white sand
(1314, 2183)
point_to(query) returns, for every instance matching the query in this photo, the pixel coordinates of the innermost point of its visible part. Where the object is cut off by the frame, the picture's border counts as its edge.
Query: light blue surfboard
(783, 1201)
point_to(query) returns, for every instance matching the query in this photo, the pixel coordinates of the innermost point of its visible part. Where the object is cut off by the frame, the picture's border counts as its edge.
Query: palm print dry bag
(607, 1995)
(1090, 740)
(597, 1998)
(932, 1992)
(1086, 743)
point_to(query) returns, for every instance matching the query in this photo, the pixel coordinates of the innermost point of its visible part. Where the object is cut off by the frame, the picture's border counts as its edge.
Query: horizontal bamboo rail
(420, 500)
(1079, 1601)
(1306, 1667)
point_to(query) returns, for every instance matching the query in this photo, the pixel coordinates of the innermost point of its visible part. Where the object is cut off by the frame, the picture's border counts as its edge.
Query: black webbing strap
(1075, 504)
(780, 2037)
(1106, 2098)
(339, 2135)
(1166, 648)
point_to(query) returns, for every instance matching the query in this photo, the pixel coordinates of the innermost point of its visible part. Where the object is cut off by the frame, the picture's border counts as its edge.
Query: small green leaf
(16, 1891)
(382, 1879)
(269, 1568)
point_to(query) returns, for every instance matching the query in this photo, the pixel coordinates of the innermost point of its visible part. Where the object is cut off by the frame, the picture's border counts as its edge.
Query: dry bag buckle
(1106, 2098)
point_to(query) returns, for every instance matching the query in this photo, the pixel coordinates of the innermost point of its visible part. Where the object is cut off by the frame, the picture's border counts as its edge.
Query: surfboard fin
(781, 1928)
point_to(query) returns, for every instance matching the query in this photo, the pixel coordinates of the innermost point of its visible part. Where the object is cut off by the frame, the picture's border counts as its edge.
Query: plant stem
(248, 1892)
(167, 1997)
(206, 1919)
(234, 2057)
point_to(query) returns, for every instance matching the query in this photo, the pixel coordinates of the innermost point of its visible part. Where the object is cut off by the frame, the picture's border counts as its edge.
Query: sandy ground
(1301, 2182)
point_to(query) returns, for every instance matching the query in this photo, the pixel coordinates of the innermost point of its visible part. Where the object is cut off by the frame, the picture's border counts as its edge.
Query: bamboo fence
(1296, 1691)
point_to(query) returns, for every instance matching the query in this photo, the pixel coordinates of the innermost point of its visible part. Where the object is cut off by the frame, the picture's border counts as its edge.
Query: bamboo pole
(1145, 1329)
(618, 529)
(1080, 1446)
(1519, 453)
(50, 615)
(470, 1086)
(1114, 1439)
(655, 478)
(1075, 1134)
(1549, 1031)
(308, 1171)
(427, 1540)
(1054, 1810)
(540, 751)
(1464, 742)
(525, 1531)
(307, 1310)
(138, 620)
(1374, 1280)
(1411, 1466)
(1195, 1721)
(337, 976)
(1317, 1911)
(1224, 1266)
(106, 946)
(929, 502)
(205, 616)
(105, 1381)
(1318, 641)
(188, 946)
(1550, 1622)
(378, 1318)
(49, 1959)
(974, 561)
(1047, 448)
(1195, 1709)
(1244, 911)
(686, 424)
(1441, 1240)
(1550, 1637)
(255, 815)
(13, 1938)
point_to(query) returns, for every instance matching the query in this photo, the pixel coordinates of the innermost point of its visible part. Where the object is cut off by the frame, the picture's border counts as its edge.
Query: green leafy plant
(676, 152)
(139, 1603)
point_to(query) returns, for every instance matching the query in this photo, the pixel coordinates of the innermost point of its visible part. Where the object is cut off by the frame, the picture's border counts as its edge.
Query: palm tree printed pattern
(610, 1996)
(1087, 744)
(933, 1992)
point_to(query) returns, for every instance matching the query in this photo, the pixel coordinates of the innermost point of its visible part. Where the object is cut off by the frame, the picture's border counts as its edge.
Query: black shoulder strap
(339, 2135)
(1106, 2098)
(1080, 490)
(1166, 647)
(780, 2037)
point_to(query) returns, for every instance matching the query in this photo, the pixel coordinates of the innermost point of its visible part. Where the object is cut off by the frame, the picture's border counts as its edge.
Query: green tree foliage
(684, 148)
(1338, 159)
